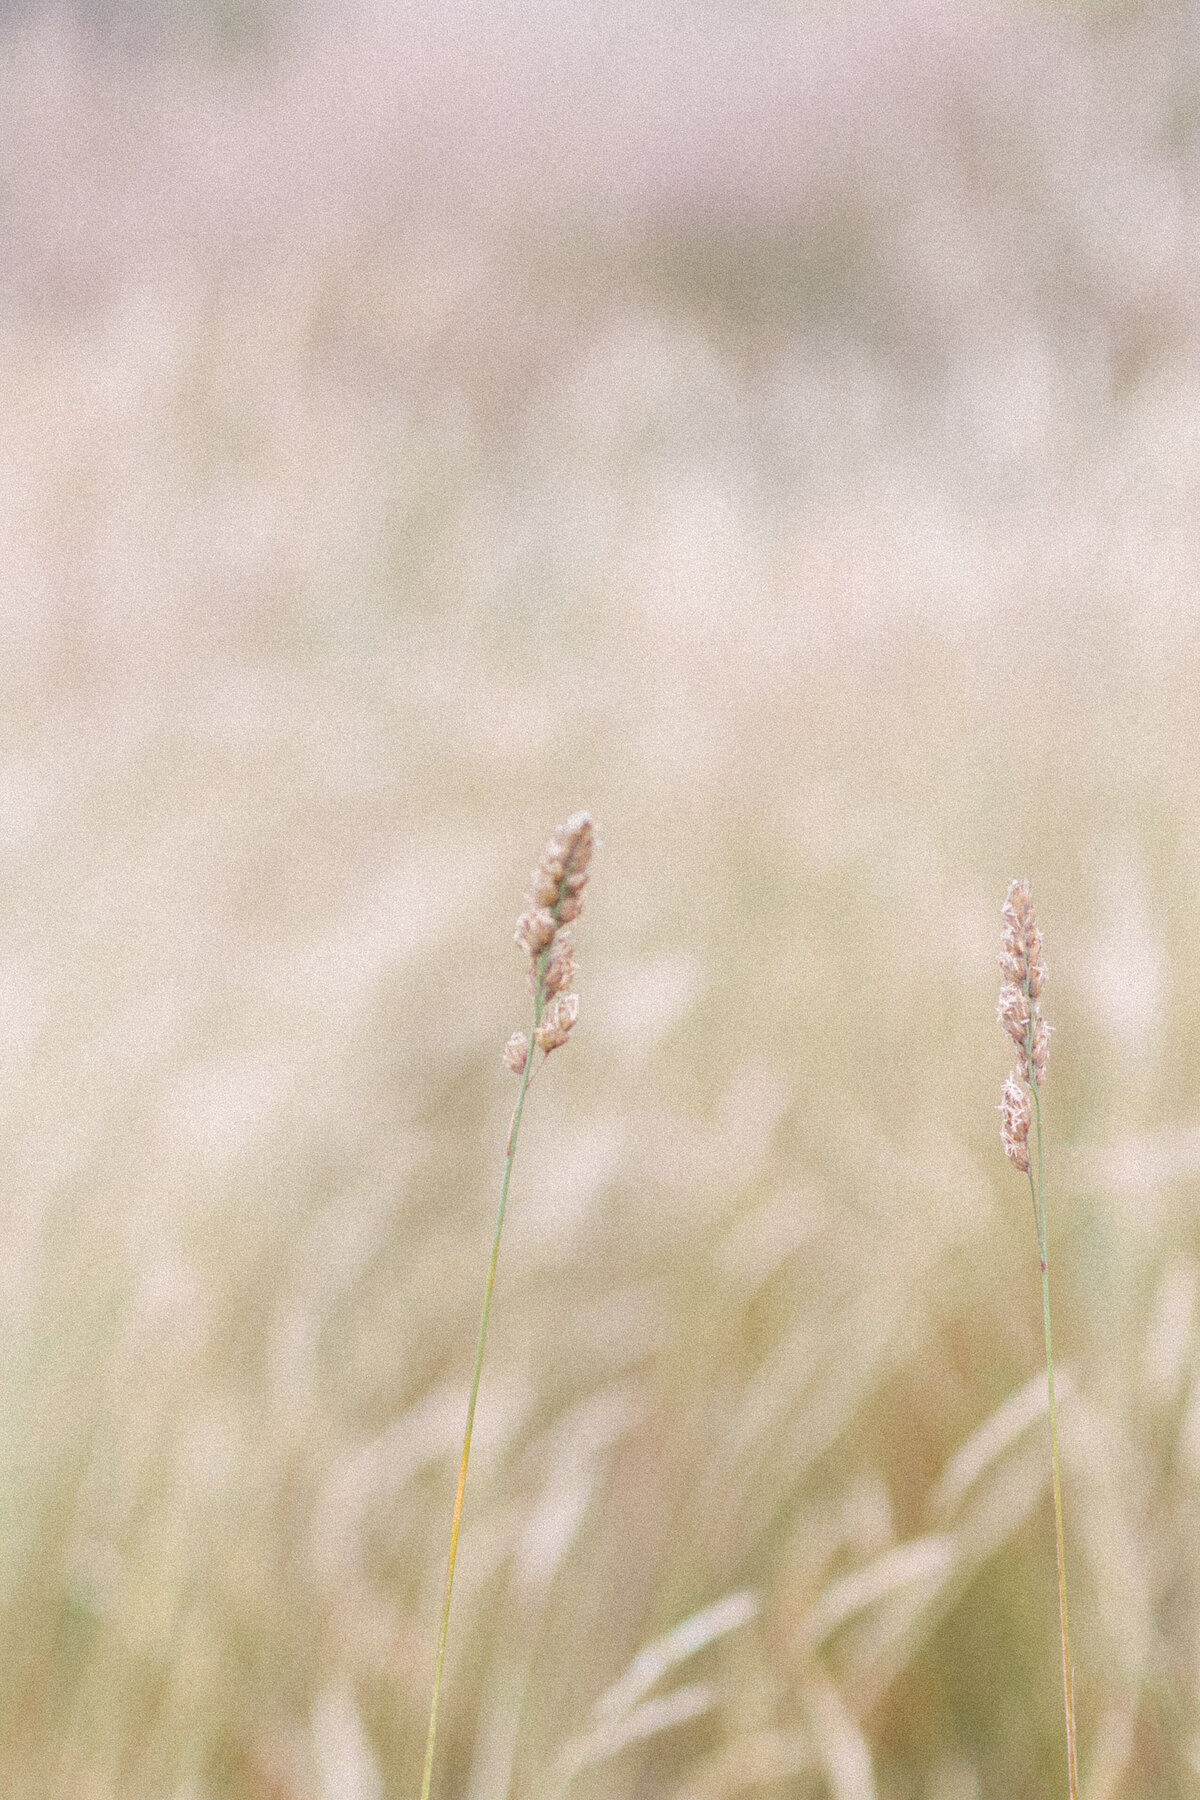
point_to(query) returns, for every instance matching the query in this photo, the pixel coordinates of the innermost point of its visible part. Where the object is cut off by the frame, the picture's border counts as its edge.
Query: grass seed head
(562, 968)
(1025, 974)
(1021, 958)
(1012, 1012)
(1016, 1115)
(562, 874)
(1020, 1015)
(557, 1022)
(535, 931)
(555, 901)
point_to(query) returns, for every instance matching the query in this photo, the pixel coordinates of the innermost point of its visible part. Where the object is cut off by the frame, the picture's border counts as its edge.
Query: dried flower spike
(1020, 1014)
(1016, 1116)
(1018, 1010)
(561, 876)
(557, 1021)
(562, 968)
(1012, 1011)
(556, 898)
(535, 931)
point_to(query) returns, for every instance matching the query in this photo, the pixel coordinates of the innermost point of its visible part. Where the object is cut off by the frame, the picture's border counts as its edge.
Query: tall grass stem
(1038, 1192)
(456, 1522)
(543, 934)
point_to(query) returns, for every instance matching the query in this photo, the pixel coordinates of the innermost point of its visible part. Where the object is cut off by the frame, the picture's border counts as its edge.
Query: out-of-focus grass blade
(988, 1444)
(840, 1743)
(675, 1646)
(644, 1721)
(924, 1559)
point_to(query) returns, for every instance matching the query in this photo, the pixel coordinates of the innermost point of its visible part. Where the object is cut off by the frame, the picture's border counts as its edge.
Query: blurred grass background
(775, 427)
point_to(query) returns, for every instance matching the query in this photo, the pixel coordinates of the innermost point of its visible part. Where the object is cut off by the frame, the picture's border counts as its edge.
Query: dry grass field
(776, 428)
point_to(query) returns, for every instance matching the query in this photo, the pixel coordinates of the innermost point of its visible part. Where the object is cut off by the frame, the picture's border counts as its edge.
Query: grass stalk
(456, 1521)
(1038, 1192)
(1019, 1012)
(544, 935)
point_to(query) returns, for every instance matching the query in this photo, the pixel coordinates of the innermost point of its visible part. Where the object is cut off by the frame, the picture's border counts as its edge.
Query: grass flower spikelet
(556, 899)
(557, 1021)
(1025, 978)
(1016, 1116)
(1019, 1012)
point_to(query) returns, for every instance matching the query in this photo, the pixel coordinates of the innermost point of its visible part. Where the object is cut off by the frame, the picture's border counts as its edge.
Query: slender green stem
(1039, 1207)
(509, 1157)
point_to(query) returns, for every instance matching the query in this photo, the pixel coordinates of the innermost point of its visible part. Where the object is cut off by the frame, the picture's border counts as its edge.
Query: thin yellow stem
(509, 1157)
(1039, 1207)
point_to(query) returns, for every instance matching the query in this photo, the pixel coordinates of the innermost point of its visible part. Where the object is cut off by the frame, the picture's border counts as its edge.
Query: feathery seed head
(1016, 1115)
(1020, 1015)
(1022, 939)
(557, 1021)
(556, 899)
(556, 888)
(1012, 967)
(562, 968)
(535, 931)
(562, 874)
(547, 880)
(1025, 975)
(1012, 1012)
